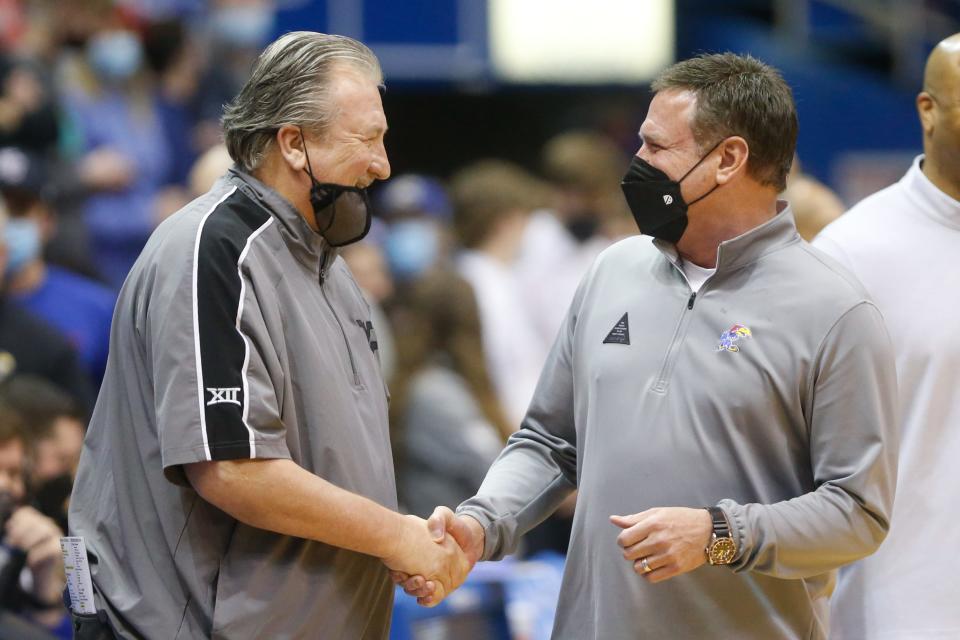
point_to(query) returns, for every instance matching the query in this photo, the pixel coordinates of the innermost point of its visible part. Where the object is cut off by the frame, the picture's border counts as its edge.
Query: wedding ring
(646, 567)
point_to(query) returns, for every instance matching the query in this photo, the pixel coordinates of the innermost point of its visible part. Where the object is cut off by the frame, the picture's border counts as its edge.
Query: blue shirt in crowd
(81, 309)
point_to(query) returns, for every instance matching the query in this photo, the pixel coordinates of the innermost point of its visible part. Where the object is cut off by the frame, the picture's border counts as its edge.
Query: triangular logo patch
(620, 334)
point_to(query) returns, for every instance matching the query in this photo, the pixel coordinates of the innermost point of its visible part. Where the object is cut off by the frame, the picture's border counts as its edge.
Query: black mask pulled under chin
(342, 213)
(655, 200)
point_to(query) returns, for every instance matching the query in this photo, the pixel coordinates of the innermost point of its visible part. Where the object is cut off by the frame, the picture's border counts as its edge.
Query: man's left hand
(672, 540)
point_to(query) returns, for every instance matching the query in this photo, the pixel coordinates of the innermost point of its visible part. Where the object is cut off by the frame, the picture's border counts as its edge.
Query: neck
(943, 171)
(275, 174)
(709, 228)
(28, 278)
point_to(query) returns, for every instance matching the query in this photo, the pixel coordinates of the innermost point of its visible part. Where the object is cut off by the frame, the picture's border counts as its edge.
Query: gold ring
(646, 567)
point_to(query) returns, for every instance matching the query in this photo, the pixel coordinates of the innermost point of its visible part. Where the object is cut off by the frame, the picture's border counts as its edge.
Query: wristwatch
(721, 549)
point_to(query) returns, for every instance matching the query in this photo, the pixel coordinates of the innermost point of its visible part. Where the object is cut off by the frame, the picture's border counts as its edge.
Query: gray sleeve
(538, 468)
(853, 454)
(215, 370)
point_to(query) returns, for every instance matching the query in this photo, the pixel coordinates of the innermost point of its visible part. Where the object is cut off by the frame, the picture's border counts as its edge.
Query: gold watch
(721, 549)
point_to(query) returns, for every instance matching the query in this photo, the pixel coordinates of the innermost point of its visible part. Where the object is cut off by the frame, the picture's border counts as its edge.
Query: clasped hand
(464, 533)
(435, 559)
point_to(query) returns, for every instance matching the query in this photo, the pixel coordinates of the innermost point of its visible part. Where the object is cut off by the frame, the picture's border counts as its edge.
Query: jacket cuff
(491, 533)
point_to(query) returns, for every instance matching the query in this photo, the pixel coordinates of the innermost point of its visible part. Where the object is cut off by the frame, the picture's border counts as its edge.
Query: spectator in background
(417, 211)
(29, 541)
(54, 427)
(175, 61)
(814, 204)
(29, 345)
(585, 216)
(903, 243)
(236, 32)
(78, 307)
(446, 420)
(213, 163)
(492, 202)
(28, 116)
(124, 153)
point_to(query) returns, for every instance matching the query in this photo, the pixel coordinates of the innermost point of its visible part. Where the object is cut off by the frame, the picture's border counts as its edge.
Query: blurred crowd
(109, 123)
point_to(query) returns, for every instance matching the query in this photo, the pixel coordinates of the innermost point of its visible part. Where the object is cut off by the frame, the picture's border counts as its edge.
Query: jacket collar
(931, 201)
(304, 243)
(776, 233)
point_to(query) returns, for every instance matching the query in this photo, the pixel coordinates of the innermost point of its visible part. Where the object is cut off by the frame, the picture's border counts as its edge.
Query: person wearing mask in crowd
(236, 31)
(28, 345)
(29, 540)
(243, 409)
(121, 147)
(418, 215)
(902, 243)
(723, 396)
(447, 421)
(54, 427)
(80, 308)
(492, 202)
(586, 215)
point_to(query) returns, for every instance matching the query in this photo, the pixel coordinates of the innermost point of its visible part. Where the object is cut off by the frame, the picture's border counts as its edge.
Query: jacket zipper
(660, 386)
(346, 341)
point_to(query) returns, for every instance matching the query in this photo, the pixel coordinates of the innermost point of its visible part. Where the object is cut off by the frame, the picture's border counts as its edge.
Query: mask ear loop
(705, 156)
(314, 187)
(307, 155)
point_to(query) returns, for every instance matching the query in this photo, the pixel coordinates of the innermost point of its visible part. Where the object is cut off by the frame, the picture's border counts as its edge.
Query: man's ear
(290, 143)
(926, 109)
(734, 153)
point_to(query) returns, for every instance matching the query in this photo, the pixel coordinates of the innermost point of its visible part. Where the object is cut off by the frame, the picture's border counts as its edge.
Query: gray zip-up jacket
(770, 392)
(238, 334)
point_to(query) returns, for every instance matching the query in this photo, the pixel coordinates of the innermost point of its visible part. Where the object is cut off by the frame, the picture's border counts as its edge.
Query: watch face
(722, 551)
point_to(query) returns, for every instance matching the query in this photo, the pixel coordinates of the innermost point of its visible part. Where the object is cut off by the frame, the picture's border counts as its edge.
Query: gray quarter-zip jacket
(771, 392)
(225, 344)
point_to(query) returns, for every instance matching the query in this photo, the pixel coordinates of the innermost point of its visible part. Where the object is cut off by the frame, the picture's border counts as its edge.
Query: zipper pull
(323, 267)
(693, 296)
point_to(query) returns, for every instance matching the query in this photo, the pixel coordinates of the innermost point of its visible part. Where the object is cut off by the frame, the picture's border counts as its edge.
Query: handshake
(433, 557)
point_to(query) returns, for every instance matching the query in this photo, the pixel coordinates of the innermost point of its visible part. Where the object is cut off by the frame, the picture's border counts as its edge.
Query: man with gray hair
(721, 394)
(237, 480)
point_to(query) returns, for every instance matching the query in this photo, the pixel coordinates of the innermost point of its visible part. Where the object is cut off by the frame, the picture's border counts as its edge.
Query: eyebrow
(651, 138)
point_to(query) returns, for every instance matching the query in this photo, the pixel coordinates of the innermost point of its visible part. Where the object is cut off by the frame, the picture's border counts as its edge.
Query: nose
(642, 153)
(380, 167)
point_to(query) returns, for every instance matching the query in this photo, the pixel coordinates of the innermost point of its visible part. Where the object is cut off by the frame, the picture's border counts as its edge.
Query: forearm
(524, 486)
(808, 535)
(279, 495)
(853, 458)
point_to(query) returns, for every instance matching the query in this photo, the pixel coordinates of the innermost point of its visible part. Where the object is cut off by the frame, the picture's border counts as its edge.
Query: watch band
(721, 527)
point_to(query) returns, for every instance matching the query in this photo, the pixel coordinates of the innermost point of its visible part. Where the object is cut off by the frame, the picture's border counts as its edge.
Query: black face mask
(655, 200)
(342, 213)
(583, 225)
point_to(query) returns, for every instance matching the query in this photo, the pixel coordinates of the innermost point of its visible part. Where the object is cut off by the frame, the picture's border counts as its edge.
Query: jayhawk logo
(729, 338)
